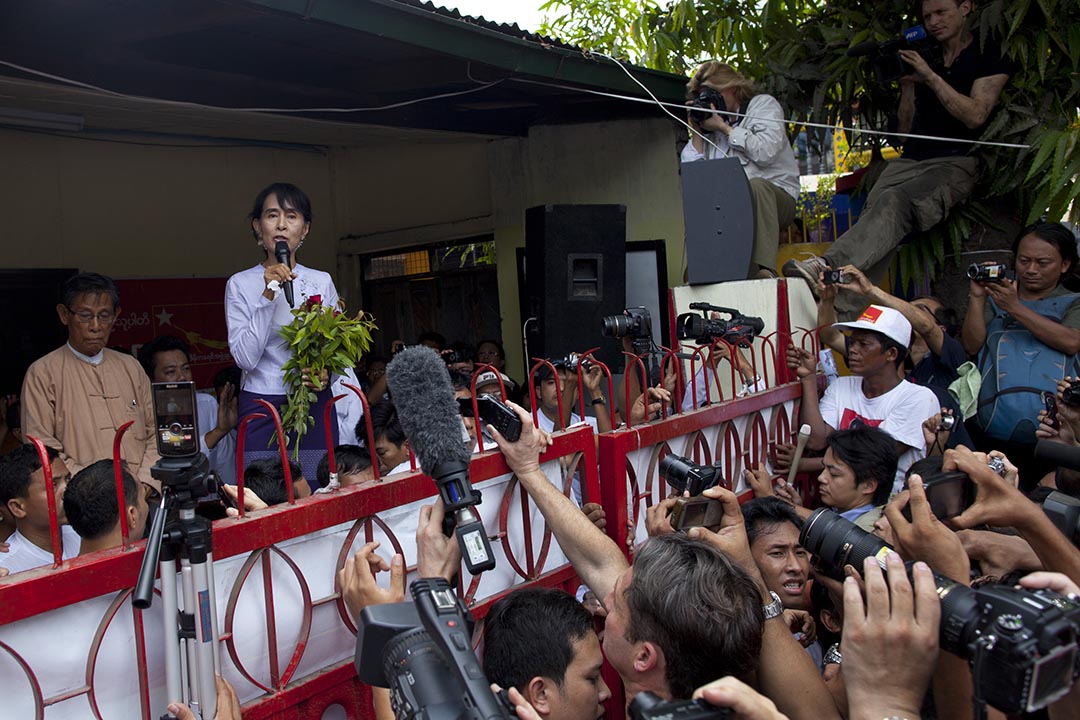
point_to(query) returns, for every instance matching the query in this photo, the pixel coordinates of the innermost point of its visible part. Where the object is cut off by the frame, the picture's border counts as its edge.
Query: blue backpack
(1016, 368)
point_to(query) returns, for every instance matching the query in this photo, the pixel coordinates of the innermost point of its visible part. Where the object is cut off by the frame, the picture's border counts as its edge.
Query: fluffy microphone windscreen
(420, 387)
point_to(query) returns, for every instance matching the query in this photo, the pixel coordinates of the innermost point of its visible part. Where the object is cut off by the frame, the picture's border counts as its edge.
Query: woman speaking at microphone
(257, 306)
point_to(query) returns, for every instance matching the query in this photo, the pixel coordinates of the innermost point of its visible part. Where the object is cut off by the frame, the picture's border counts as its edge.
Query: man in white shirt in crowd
(549, 388)
(23, 494)
(874, 395)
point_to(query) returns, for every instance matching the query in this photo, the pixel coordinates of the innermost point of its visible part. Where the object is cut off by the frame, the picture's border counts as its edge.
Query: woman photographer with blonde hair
(750, 126)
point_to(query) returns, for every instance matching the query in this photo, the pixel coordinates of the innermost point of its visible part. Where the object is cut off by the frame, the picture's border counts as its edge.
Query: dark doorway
(29, 299)
(450, 288)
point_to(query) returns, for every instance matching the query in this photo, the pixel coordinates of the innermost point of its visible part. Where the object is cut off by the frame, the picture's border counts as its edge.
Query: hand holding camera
(522, 456)
(997, 502)
(890, 642)
(920, 535)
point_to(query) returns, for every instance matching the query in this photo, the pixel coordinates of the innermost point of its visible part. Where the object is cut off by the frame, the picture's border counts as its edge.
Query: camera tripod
(191, 634)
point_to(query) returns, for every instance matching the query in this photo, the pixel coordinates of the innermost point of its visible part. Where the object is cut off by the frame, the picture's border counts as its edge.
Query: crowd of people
(742, 613)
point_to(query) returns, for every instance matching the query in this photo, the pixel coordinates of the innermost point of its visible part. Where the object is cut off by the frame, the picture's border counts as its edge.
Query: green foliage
(796, 49)
(319, 339)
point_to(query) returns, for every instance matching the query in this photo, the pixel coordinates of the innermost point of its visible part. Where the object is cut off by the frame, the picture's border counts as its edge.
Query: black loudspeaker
(718, 214)
(575, 274)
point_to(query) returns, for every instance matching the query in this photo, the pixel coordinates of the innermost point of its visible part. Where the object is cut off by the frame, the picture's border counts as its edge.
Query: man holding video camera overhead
(953, 97)
(750, 126)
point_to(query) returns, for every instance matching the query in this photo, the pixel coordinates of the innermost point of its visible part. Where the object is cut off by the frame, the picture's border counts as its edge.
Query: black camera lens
(615, 326)
(839, 542)
(1071, 395)
(676, 470)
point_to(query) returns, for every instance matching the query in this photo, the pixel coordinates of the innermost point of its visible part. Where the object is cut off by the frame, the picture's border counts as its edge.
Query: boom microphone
(281, 252)
(420, 386)
(1056, 453)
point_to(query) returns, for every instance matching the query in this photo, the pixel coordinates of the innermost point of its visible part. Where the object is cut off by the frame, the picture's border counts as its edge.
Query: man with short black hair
(874, 395)
(23, 494)
(75, 398)
(541, 641)
(772, 527)
(90, 504)
(391, 444)
(266, 479)
(353, 465)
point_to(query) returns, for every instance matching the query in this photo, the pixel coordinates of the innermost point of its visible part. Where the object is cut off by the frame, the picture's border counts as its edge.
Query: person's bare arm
(786, 674)
(999, 504)
(973, 332)
(1049, 332)
(805, 367)
(595, 557)
(921, 321)
(905, 113)
(829, 336)
(972, 110)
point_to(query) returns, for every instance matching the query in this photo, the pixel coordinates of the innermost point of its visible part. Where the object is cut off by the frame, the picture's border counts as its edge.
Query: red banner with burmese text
(192, 309)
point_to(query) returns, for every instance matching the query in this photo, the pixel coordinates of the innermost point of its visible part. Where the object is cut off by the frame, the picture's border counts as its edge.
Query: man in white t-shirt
(24, 495)
(874, 395)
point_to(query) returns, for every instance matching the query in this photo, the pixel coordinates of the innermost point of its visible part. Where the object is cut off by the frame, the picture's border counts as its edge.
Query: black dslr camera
(702, 105)
(648, 706)
(1021, 644)
(1064, 511)
(684, 475)
(422, 651)
(738, 329)
(635, 322)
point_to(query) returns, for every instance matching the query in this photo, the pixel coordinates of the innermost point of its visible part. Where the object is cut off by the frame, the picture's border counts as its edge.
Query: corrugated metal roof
(514, 30)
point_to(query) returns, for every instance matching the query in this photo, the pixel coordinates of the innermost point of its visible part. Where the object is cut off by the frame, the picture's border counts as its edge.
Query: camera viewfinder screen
(174, 410)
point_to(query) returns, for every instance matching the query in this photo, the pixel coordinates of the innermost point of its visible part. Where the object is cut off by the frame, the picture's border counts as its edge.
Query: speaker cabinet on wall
(575, 274)
(719, 217)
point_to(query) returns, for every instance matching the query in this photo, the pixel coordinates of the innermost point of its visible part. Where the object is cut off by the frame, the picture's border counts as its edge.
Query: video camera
(1021, 644)
(987, 272)
(422, 652)
(885, 56)
(738, 329)
(684, 475)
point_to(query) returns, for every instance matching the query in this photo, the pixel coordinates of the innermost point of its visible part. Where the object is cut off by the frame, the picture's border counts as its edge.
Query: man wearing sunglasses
(75, 398)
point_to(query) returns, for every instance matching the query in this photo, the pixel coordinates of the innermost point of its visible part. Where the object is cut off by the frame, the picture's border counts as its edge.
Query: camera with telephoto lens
(987, 272)
(1071, 395)
(649, 706)
(707, 98)
(885, 59)
(1021, 644)
(738, 329)
(422, 651)
(635, 322)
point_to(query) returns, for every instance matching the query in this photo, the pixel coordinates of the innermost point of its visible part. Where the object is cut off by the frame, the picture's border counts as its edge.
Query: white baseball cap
(890, 323)
(488, 377)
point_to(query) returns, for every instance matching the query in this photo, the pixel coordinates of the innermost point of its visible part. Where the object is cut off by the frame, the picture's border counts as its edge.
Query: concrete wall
(140, 210)
(631, 162)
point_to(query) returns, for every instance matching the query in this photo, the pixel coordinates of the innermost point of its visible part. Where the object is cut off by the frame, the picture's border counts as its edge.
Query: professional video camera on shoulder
(423, 652)
(684, 475)
(738, 329)
(885, 56)
(1021, 644)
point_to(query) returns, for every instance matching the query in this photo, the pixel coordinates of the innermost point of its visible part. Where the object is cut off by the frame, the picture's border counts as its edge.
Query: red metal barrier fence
(70, 641)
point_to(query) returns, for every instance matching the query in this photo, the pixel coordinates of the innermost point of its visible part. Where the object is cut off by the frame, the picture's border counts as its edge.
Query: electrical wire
(661, 104)
(203, 106)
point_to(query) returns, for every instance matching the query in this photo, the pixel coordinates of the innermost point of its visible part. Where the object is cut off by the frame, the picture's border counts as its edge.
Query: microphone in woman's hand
(281, 252)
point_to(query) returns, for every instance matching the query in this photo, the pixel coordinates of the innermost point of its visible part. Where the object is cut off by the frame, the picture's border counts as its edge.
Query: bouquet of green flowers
(319, 338)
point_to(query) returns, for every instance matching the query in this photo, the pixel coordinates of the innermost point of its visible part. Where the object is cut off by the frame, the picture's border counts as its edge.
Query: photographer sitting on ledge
(757, 136)
(916, 192)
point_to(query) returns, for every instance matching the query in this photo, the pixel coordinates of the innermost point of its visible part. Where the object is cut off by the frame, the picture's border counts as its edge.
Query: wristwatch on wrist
(773, 609)
(598, 401)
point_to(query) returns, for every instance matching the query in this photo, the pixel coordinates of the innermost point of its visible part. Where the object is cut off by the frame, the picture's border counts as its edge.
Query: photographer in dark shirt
(915, 192)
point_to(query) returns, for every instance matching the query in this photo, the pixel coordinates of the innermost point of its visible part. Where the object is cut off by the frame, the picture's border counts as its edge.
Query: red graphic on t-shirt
(850, 417)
